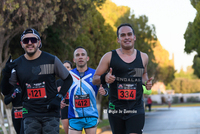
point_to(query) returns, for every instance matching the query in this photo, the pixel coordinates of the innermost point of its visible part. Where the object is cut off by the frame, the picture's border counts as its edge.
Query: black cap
(33, 31)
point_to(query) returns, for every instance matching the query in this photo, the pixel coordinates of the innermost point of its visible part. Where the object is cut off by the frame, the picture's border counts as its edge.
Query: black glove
(6, 87)
(55, 103)
(9, 66)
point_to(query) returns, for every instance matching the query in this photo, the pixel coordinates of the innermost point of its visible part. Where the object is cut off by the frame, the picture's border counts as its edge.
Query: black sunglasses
(32, 39)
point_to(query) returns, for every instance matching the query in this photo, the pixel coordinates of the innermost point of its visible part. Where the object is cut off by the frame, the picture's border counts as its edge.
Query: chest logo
(36, 70)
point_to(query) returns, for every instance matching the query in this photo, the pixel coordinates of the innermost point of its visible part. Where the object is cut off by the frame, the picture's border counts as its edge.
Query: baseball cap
(33, 31)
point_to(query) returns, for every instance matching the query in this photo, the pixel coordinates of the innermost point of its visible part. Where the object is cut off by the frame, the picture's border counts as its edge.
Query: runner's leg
(64, 119)
(91, 130)
(50, 125)
(135, 124)
(74, 131)
(65, 123)
(32, 126)
(16, 123)
(117, 124)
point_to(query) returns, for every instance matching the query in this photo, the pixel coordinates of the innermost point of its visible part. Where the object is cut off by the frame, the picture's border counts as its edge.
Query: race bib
(67, 96)
(82, 101)
(18, 114)
(36, 90)
(127, 91)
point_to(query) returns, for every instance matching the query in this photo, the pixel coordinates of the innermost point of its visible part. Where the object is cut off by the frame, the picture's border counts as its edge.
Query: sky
(171, 18)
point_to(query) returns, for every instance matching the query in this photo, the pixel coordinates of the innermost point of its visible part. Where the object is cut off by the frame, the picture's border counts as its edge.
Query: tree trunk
(2, 122)
(9, 118)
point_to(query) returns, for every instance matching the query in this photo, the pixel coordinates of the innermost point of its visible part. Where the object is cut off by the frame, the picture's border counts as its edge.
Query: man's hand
(9, 66)
(109, 77)
(149, 83)
(63, 104)
(54, 104)
(101, 90)
(16, 91)
(13, 95)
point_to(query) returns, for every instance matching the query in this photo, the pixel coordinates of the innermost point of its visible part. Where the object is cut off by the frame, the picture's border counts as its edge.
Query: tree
(111, 12)
(183, 85)
(165, 70)
(196, 65)
(16, 15)
(191, 36)
(188, 74)
(96, 36)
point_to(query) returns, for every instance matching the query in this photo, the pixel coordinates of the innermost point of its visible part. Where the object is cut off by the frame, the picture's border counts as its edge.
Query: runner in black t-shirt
(35, 72)
(15, 99)
(65, 102)
(127, 71)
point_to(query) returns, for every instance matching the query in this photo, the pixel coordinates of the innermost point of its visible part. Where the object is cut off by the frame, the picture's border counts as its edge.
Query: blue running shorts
(80, 123)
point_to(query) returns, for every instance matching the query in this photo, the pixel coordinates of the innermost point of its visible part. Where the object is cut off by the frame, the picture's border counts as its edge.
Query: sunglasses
(32, 39)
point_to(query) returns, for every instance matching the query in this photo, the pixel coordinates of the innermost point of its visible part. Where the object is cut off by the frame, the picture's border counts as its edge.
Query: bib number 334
(127, 91)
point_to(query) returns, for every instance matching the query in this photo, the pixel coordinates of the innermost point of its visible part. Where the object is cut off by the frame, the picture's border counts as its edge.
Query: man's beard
(31, 53)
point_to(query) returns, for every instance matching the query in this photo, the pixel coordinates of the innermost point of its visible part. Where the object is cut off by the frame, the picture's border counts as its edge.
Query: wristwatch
(60, 96)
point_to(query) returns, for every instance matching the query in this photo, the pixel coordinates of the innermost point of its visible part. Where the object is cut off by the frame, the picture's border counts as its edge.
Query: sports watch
(60, 96)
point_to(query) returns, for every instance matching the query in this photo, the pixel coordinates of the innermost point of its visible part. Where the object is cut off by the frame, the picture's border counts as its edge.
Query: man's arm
(66, 85)
(145, 60)
(64, 74)
(6, 87)
(145, 80)
(8, 82)
(102, 68)
(8, 98)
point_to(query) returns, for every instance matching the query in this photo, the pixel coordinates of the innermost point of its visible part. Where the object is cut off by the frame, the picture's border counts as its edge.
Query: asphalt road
(183, 120)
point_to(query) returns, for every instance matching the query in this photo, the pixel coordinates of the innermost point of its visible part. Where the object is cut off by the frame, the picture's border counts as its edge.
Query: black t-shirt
(37, 80)
(126, 91)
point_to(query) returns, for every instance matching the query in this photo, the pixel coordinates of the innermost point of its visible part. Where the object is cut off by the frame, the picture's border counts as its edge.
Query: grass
(177, 105)
(103, 123)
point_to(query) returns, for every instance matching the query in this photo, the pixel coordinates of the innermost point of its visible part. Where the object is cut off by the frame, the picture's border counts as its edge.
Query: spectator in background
(65, 102)
(169, 101)
(149, 103)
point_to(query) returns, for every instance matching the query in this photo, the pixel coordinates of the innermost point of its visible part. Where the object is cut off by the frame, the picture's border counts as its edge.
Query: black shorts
(133, 124)
(64, 113)
(41, 125)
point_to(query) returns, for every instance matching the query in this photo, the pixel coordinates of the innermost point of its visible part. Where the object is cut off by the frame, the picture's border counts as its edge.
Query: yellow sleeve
(145, 91)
